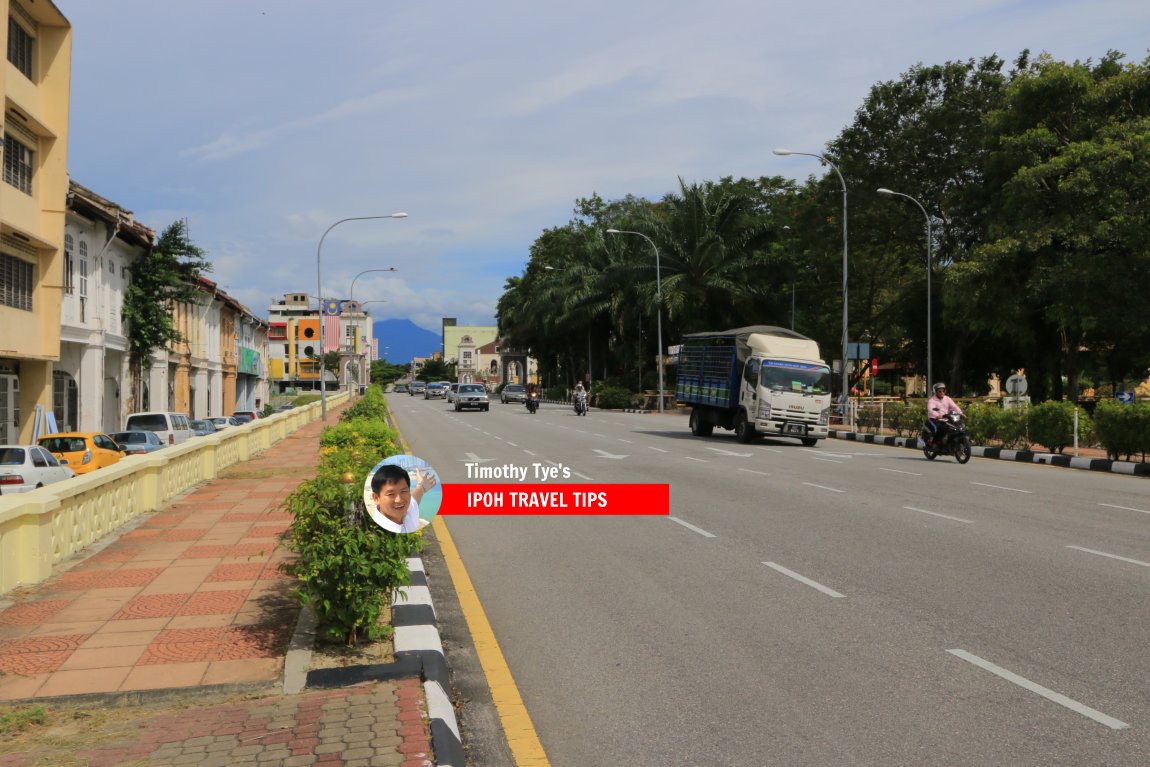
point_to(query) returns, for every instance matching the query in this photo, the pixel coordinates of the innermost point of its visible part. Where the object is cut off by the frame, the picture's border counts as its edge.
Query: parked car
(513, 393)
(471, 395)
(203, 427)
(138, 442)
(27, 467)
(285, 407)
(417, 387)
(452, 390)
(224, 422)
(435, 389)
(247, 416)
(171, 428)
(83, 451)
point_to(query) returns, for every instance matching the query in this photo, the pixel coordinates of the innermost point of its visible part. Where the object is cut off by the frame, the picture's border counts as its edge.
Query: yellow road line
(517, 725)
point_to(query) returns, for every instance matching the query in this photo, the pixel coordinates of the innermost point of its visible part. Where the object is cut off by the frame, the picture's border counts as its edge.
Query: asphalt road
(846, 604)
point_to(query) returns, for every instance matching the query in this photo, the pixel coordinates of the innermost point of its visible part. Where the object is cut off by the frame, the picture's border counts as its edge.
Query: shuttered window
(15, 282)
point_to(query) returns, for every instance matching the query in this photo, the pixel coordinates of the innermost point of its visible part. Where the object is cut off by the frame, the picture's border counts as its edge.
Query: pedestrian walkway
(192, 600)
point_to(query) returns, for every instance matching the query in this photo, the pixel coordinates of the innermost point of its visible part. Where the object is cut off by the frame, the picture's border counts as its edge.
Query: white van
(171, 428)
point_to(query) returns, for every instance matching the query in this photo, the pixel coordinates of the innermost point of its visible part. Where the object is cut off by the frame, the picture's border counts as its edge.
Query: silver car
(471, 395)
(513, 393)
(27, 467)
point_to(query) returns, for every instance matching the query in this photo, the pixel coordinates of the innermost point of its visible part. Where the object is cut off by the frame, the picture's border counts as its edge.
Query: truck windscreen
(795, 377)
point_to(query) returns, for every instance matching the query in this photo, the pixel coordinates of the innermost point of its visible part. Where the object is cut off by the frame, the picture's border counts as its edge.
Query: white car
(27, 467)
(224, 422)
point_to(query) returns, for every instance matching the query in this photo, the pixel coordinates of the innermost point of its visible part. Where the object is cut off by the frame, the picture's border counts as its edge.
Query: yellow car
(84, 451)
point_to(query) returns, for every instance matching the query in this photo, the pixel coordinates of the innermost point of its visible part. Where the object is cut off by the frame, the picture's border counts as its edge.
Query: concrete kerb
(1004, 454)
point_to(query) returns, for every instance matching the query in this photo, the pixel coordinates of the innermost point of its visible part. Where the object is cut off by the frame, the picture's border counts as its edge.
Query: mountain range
(400, 341)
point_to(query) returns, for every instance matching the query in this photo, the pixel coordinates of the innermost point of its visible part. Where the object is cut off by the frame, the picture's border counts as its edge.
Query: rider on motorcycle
(580, 396)
(938, 408)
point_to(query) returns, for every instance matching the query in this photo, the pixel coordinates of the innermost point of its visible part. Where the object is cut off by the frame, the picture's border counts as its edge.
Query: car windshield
(149, 422)
(130, 436)
(796, 377)
(64, 444)
(513, 387)
(471, 388)
(11, 456)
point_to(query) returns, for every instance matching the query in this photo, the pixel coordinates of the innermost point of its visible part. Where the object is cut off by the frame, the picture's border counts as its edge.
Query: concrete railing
(40, 529)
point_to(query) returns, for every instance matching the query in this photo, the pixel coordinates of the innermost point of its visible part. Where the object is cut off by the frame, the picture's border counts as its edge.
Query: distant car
(224, 422)
(203, 427)
(83, 451)
(138, 442)
(27, 467)
(247, 416)
(513, 393)
(417, 387)
(452, 389)
(285, 407)
(171, 428)
(400, 389)
(471, 395)
(434, 390)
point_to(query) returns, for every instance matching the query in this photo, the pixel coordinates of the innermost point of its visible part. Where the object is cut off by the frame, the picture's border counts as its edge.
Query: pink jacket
(936, 408)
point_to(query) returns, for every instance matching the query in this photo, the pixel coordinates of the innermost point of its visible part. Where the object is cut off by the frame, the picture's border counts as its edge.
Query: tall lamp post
(658, 301)
(319, 292)
(929, 269)
(790, 233)
(846, 342)
(351, 299)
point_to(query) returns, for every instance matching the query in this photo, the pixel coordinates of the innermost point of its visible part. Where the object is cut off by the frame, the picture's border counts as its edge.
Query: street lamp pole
(319, 294)
(351, 299)
(658, 301)
(929, 269)
(794, 266)
(846, 339)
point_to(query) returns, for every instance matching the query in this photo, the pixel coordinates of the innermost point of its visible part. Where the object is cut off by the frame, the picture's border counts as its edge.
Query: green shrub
(372, 440)
(905, 418)
(612, 397)
(1123, 430)
(1051, 424)
(371, 405)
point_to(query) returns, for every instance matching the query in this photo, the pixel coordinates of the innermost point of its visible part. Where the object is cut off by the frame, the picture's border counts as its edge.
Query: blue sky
(265, 121)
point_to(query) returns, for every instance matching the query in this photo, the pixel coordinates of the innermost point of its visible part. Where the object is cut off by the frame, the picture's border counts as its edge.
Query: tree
(164, 276)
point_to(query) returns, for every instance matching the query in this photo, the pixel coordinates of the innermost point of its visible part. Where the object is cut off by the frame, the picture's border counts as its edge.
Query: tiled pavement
(193, 598)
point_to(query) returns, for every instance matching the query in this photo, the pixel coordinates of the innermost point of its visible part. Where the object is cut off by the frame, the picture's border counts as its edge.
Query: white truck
(758, 380)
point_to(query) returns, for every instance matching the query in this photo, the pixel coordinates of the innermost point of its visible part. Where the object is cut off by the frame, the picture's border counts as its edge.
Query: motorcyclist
(580, 396)
(938, 408)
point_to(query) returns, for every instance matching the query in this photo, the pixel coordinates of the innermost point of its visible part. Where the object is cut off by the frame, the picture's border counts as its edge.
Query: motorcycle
(532, 403)
(954, 442)
(581, 405)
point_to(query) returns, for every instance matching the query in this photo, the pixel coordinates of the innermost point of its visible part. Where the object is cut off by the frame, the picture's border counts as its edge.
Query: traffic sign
(1125, 396)
(1016, 385)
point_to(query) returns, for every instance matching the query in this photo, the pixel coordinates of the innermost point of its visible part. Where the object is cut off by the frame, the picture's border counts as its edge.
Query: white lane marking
(529, 453)
(600, 436)
(900, 471)
(824, 460)
(700, 460)
(658, 449)
(721, 451)
(605, 454)
(512, 444)
(803, 579)
(1054, 697)
(936, 514)
(1000, 487)
(629, 442)
(689, 526)
(1124, 508)
(1112, 556)
(824, 452)
(823, 487)
(583, 476)
(752, 471)
(771, 449)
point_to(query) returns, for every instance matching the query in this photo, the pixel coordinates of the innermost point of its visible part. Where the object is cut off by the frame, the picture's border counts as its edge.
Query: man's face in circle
(392, 500)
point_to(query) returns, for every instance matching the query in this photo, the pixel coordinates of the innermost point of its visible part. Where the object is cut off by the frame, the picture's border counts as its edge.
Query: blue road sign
(1125, 396)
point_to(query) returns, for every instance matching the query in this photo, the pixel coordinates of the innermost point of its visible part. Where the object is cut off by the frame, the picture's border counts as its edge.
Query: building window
(83, 281)
(69, 265)
(20, 49)
(111, 267)
(15, 282)
(17, 164)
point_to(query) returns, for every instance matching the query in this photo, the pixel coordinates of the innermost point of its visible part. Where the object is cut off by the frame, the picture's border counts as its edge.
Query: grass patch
(14, 720)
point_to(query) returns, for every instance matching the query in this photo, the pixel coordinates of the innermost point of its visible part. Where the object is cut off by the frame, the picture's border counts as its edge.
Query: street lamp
(351, 299)
(658, 301)
(319, 292)
(929, 269)
(846, 347)
(790, 232)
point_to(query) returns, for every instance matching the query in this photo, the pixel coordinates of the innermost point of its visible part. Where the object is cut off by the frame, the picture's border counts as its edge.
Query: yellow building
(35, 82)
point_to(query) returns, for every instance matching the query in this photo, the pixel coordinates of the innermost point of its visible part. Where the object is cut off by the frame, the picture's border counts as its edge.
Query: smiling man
(396, 501)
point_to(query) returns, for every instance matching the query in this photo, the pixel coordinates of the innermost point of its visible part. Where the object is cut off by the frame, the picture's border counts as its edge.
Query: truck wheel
(744, 429)
(700, 427)
(809, 441)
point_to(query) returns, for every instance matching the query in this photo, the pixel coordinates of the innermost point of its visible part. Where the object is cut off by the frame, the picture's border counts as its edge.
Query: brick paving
(193, 597)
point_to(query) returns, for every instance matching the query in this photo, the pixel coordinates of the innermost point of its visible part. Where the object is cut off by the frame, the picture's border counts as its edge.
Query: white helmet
(939, 385)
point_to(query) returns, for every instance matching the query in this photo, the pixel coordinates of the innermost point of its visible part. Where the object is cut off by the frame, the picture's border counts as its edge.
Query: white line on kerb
(823, 487)
(802, 579)
(1111, 556)
(752, 471)
(936, 514)
(689, 526)
(1050, 695)
(1000, 487)
(1124, 508)
(900, 471)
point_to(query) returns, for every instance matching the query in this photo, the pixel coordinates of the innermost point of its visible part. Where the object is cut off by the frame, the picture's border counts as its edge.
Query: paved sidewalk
(191, 602)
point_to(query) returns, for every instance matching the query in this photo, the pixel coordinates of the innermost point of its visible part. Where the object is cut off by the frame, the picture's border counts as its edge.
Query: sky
(265, 122)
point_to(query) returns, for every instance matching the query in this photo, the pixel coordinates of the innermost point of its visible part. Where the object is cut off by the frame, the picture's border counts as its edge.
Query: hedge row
(348, 567)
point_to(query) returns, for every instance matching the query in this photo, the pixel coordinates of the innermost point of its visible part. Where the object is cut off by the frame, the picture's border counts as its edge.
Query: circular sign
(1016, 385)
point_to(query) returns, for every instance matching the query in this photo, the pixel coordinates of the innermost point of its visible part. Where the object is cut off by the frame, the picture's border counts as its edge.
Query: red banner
(590, 499)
